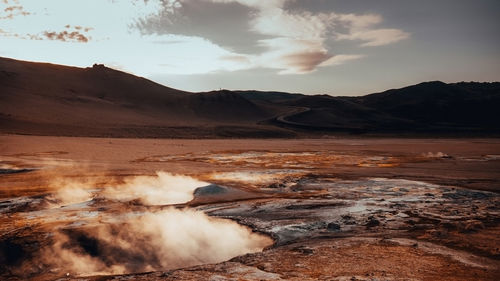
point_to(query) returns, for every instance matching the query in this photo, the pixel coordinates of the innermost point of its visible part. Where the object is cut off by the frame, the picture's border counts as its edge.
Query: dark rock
(211, 189)
(348, 220)
(15, 171)
(303, 250)
(333, 226)
(466, 194)
(12, 253)
(372, 221)
(471, 226)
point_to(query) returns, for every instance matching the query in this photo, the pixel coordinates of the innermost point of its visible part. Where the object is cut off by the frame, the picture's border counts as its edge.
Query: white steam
(119, 239)
(155, 241)
(69, 192)
(255, 177)
(435, 155)
(163, 189)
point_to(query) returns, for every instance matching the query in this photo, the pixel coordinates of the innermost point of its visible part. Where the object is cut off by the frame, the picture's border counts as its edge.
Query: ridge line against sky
(338, 47)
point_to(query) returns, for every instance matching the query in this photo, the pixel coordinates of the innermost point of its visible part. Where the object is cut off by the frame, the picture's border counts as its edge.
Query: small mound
(210, 190)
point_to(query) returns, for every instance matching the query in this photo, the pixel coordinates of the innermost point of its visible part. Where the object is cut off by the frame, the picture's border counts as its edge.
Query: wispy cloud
(361, 27)
(75, 35)
(297, 43)
(340, 59)
(189, 36)
(12, 9)
(294, 41)
(66, 36)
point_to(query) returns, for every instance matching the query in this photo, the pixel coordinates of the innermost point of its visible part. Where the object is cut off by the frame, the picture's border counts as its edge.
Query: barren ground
(336, 209)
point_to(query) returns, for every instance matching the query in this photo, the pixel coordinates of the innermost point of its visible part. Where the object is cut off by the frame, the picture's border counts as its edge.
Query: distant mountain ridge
(48, 99)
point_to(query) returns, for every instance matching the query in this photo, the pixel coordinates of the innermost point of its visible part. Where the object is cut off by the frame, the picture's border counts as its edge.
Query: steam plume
(155, 241)
(119, 239)
(163, 189)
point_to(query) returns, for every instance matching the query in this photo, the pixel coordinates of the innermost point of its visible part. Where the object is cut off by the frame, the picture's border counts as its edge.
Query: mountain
(426, 108)
(444, 105)
(47, 99)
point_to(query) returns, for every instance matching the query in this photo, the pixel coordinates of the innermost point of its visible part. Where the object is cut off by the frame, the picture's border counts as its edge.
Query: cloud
(304, 62)
(293, 42)
(378, 37)
(66, 36)
(298, 44)
(236, 58)
(361, 28)
(296, 40)
(223, 24)
(190, 36)
(74, 35)
(340, 59)
(28, 27)
(255, 3)
(12, 11)
(293, 55)
(77, 27)
(12, 8)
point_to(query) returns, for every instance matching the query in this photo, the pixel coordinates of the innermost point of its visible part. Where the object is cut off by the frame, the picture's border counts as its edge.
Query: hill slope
(426, 108)
(439, 104)
(37, 98)
(47, 99)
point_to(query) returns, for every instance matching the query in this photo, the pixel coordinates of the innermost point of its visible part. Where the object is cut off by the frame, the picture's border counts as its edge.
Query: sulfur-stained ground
(336, 209)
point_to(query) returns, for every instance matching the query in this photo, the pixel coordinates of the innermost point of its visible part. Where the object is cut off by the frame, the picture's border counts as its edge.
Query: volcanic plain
(79, 208)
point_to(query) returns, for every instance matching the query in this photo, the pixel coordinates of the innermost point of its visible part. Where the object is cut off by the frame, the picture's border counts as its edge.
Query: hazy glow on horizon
(167, 37)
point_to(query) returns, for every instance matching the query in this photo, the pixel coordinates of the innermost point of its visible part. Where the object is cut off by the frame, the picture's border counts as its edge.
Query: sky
(336, 47)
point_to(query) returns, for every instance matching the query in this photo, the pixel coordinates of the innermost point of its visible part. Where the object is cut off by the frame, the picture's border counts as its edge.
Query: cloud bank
(188, 36)
(293, 42)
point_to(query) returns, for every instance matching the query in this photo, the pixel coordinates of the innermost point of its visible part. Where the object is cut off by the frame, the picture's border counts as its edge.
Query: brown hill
(430, 108)
(40, 98)
(47, 99)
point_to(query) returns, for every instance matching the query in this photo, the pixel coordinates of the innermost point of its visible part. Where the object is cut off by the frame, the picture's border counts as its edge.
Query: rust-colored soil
(337, 209)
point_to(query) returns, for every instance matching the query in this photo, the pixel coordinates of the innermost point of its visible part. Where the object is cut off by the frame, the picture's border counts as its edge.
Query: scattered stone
(333, 226)
(449, 225)
(211, 189)
(348, 220)
(372, 221)
(304, 250)
(14, 171)
(471, 226)
(466, 194)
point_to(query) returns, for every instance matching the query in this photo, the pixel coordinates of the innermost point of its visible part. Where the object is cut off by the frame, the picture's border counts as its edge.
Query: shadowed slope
(428, 108)
(38, 98)
(47, 99)
(439, 104)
